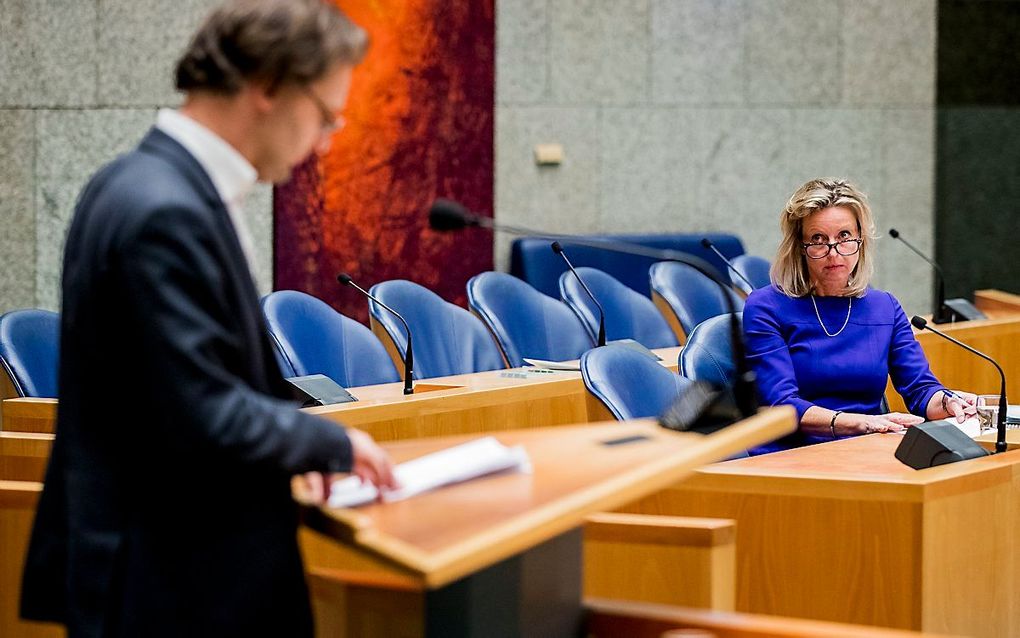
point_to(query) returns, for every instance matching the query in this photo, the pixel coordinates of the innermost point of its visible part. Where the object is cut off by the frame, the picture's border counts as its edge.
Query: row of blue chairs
(312, 338)
(516, 322)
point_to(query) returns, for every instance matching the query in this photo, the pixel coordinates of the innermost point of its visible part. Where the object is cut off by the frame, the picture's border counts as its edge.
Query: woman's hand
(868, 423)
(962, 406)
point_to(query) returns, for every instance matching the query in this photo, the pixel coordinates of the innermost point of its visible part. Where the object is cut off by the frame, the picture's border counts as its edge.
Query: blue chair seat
(312, 338)
(525, 322)
(629, 383)
(628, 314)
(29, 351)
(755, 269)
(447, 339)
(690, 296)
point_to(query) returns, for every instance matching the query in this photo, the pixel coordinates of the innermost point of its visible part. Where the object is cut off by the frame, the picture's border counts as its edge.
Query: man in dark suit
(167, 506)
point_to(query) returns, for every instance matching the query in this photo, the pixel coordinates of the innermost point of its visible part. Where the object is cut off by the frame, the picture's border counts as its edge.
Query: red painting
(419, 126)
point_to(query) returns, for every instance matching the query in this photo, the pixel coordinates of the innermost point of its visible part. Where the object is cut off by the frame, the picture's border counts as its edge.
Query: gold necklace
(845, 321)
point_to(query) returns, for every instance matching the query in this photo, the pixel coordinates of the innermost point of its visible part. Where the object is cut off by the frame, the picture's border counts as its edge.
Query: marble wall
(699, 115)
(80, 83)
(675, 115)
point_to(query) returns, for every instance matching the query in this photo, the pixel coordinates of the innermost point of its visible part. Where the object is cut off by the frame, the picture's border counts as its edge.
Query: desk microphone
(556, 248)
(1000, 442)
(707, 243)
(943, 311)
(448, 215)
(346, 280)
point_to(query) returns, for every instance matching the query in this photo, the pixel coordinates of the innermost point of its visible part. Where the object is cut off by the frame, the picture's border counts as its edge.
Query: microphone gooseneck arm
(707, 243)
(1000, 438)
(346, 280)
(939, 309)
(601, 340)
(448, 215)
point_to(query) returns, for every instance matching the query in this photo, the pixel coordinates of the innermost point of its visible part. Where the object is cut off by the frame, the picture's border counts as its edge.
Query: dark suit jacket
(166, 508)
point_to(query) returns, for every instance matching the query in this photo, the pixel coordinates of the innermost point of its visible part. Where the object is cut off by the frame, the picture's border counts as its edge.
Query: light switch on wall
(548, 154)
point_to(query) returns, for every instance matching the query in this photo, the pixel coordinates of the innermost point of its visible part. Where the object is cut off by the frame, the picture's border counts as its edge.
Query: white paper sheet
(452, 465)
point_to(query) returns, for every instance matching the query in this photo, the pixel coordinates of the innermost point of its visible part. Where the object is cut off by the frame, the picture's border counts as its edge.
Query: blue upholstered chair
(312, 338)
(754, 268)
(532, 261)
(629, 314)
(686, 297)
(447, 339)
(525, 322)
(708, 356)
(30, 351)
(630, 384)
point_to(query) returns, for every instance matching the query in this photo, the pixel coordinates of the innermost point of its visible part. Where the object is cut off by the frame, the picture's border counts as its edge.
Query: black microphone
(602, 313)
(943, 311)
(346, 280)
(709, 245)
(446, 215)
(1000, 442)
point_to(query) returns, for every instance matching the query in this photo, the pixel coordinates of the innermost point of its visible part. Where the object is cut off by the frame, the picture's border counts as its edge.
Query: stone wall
(80, 83)
(705, 115)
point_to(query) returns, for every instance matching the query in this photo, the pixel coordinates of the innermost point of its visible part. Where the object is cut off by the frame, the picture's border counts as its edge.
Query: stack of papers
(570, 366)
(452, 465)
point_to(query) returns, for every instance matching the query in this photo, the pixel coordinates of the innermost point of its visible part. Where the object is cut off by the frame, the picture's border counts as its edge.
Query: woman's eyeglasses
(845, 247)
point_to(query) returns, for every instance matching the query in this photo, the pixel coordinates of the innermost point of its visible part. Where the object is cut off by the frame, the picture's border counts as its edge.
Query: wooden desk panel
(997, 303)
(842, 531)
(957, 368)
(443, 535)
(17, 510)
(467, 403)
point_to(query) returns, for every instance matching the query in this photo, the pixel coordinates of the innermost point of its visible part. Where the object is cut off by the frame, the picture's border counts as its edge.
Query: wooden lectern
(501, 555)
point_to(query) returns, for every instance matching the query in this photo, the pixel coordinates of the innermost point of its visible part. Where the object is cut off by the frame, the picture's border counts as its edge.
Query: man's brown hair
(277, 42)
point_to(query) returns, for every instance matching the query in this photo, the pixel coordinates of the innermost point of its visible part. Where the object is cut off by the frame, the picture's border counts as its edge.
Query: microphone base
(701, 408)
(936, 443)
(318, 389)
(959, 309)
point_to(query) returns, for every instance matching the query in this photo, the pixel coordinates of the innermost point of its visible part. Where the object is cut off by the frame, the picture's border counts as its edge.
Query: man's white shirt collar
(232, 175)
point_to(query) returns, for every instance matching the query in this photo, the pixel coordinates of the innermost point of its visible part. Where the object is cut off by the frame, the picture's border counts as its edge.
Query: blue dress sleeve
(769, 357)
(908, 367)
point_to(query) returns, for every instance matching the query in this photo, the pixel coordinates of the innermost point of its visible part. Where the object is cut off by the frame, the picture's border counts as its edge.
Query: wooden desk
(997, 303)
(843, 531)
(957, 368)
(465, 403)
(17, 510)
(518, 534)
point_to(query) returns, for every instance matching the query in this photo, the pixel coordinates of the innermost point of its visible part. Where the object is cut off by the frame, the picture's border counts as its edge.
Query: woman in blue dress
(824, 341)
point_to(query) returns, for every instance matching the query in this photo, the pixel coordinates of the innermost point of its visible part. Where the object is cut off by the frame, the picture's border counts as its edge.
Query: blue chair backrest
(447, 339)
(754, 268)
(692, 296)
(525, 322)
(629, 314)
(708, 354)
(631, 384)
(532, 260)
(312, 338)
(30, 351)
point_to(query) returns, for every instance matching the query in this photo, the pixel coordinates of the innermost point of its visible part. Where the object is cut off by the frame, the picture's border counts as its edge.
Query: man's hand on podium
(371, 464)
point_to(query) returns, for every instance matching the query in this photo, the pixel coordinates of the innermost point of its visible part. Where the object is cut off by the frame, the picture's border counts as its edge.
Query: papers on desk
(452, 465)
(971, 427)
(572, 366)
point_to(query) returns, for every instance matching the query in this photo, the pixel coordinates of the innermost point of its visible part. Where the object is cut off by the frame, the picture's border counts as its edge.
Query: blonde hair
(789, 270)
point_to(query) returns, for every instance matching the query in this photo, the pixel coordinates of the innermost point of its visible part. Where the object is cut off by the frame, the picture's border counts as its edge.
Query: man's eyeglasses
(845, 247)
(331, 122)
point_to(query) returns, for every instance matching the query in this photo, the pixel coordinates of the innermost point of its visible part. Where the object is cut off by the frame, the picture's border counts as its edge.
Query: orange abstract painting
(419, 126)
